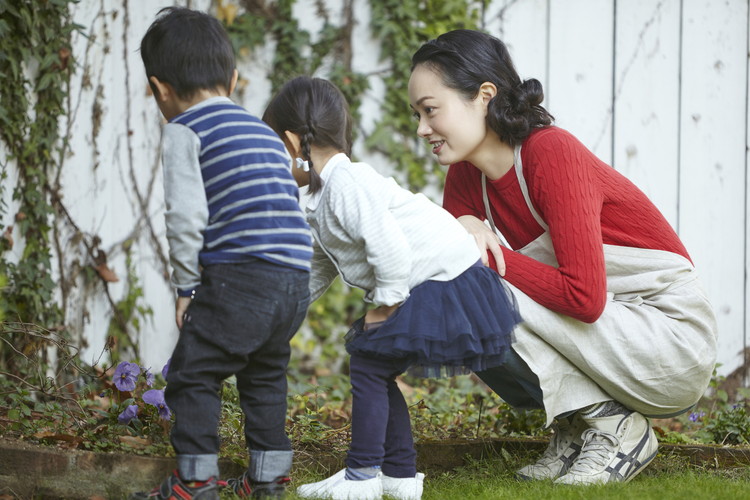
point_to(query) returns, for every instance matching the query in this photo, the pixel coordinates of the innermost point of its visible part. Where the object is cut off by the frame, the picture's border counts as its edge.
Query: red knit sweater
(585, 203)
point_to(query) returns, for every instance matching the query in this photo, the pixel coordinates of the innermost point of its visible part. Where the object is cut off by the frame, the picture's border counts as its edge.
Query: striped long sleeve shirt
(230, 195)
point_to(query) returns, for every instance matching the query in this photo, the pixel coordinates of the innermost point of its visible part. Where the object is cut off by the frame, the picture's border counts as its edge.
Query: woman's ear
(487, 91)
(293, 143)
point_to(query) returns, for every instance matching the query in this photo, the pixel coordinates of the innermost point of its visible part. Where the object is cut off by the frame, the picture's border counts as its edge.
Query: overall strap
(524, 190)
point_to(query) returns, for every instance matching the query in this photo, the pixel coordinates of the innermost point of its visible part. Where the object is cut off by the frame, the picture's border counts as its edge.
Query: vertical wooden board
(646, 123)
(712, 151)
(746, 336)
(580, 71)
(114, 140)
(522, 26)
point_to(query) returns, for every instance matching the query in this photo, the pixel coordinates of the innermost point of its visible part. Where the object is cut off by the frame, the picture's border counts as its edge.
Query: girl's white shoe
(404, 488)
(337, 487)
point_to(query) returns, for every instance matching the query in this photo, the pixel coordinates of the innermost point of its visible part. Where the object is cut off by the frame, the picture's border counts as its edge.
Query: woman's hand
(486, 240)
(379, 314)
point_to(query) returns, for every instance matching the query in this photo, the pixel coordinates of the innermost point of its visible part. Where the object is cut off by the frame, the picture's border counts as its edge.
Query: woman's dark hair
(317, 111)
(188, 49)
(465, 59)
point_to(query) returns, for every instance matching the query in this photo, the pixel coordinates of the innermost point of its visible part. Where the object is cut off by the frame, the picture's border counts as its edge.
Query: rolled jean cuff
(267, 465)
(198, 467)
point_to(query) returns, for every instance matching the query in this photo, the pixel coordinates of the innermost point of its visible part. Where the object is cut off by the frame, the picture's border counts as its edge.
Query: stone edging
(30, 471)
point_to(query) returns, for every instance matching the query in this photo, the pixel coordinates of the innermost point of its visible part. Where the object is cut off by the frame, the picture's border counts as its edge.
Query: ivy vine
(402, 26)
(35, 66)
(35, 62)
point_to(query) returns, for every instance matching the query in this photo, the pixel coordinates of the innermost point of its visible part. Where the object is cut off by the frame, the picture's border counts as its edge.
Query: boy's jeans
(239, 323)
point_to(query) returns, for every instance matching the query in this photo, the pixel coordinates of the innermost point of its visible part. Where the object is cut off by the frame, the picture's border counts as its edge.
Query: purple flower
(155, 397)
(695, 416)
(165, 370)
(128, 414)
(149, 378)
(126, 375)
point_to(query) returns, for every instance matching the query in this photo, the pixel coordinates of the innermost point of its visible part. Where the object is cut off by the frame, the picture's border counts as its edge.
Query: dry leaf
(106, 273)
(135, 441)
(65, 440)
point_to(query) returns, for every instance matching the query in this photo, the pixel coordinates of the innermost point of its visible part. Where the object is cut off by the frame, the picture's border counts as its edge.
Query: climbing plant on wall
(35, 66)
(35, 62)
(401, 27)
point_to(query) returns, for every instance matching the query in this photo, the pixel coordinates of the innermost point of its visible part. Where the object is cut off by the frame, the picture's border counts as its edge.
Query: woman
(617, 326)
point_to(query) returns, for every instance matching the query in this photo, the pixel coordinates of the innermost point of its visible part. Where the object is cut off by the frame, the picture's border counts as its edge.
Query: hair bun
(531, 92)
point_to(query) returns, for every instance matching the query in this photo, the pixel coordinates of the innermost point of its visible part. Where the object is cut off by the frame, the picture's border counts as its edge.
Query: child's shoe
(244, 488)
(337, 487)
(403, 488)
(174, 488)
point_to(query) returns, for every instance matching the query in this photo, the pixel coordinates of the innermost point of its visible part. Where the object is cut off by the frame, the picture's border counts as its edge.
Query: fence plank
(712, 150)
(646, 125)
(523, 27)
(580, 71)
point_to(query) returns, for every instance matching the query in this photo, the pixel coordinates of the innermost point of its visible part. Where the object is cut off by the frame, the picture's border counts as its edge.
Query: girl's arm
(361, 206)
(322, 273)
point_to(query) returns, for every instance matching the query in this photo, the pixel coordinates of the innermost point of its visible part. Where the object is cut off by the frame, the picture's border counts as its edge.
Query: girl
(617, 325)
(436, 308)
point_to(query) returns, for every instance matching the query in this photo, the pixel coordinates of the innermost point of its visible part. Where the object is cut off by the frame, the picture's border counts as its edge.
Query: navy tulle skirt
(445, 327)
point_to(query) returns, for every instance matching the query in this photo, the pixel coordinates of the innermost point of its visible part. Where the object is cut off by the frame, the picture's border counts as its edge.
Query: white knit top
(380, 237)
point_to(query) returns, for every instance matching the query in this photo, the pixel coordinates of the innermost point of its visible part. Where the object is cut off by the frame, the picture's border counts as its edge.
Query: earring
(303, 164)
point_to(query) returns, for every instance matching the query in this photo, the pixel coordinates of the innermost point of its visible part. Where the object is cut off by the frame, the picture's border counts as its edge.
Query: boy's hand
(180, 308)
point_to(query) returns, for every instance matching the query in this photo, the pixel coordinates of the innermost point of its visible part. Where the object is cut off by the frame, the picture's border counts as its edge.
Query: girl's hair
(188, 49)
(465, 59)
(317, 111)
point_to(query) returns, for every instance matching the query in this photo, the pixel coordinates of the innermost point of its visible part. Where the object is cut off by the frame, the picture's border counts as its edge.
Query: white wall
(657, 88)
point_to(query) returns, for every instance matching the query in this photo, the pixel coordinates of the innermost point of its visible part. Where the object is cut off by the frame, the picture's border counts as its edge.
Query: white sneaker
(564, 447)
(615, 449)
(337, 487)
(404, 488)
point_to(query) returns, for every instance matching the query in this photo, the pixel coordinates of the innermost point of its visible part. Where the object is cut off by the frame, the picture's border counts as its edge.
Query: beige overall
(653, 349)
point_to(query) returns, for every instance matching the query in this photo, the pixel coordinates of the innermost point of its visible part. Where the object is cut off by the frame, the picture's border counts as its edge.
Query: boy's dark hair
(317, 111)
(188, 49)
(465, 59)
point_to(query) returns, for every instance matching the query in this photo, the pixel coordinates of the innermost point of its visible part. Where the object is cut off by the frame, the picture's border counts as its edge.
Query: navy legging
(381, 427)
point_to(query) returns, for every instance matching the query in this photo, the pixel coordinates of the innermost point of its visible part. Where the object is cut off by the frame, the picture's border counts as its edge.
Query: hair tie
(303, 164)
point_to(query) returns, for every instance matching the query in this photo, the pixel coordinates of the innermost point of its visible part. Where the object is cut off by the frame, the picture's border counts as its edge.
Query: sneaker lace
(562, 437)
(597, 450)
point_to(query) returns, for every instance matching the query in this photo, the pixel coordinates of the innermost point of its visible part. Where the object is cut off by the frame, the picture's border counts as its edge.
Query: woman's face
(454, 126)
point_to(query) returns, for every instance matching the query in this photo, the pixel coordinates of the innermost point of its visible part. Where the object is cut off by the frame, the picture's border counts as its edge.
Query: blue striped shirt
(252, 198)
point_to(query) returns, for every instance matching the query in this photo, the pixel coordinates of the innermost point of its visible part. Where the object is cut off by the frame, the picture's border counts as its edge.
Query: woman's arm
(564, 191)
(562, 178)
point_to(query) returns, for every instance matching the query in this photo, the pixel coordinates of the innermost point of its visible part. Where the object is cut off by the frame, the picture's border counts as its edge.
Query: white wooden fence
(657, 88)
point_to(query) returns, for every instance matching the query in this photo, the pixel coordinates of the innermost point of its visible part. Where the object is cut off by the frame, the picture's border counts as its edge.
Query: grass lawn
(668, 477)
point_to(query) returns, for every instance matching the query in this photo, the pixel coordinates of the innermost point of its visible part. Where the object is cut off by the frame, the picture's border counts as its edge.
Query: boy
(240, 250)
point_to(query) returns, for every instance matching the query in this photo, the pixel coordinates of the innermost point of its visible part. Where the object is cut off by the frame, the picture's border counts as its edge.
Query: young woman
(436, 308)
(617, 326)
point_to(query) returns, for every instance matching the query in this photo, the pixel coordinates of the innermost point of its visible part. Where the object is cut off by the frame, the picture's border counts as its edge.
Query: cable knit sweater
(380, 237)
(585, 203)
